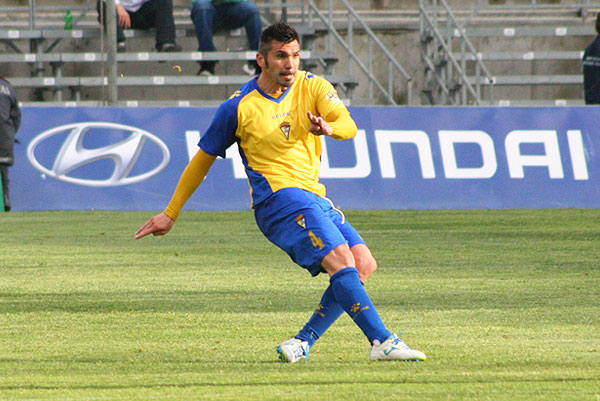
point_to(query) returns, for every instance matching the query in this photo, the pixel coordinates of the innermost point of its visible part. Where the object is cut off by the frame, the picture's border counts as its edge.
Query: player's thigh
(295, 221)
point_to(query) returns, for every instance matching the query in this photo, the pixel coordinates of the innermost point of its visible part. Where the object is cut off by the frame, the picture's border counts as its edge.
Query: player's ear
(260, 60)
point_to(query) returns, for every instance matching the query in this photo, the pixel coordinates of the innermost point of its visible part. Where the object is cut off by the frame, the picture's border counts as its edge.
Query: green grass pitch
(505, 303)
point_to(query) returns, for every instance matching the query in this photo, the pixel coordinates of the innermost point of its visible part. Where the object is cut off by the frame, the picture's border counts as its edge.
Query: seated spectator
(210, 16)
(144, 14)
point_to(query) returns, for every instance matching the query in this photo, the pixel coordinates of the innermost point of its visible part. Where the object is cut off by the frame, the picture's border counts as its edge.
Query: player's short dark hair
(598, 23)
(281, 32)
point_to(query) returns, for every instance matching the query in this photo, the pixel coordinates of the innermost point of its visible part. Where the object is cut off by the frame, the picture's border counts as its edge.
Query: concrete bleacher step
(526, 56)
(125, 103)
(86, 57)
(158, 80)
(510, 31)
(518, 80)
(60, 59)
(390, 18)
(535, 103)
(533, 58)
(75, 85)
(58, 32)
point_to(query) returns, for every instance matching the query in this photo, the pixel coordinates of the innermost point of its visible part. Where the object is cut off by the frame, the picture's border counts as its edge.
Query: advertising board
(402, 158)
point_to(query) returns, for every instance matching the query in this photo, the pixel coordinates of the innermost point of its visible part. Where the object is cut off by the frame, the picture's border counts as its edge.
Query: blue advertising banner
(402, 158)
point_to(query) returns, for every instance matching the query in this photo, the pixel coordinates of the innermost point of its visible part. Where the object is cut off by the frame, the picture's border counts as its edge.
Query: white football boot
(394, 349)
(293, 350)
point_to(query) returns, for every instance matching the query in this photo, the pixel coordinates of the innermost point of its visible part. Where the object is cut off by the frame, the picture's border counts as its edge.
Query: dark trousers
(209, 18)
(4, 176)
(153, 14)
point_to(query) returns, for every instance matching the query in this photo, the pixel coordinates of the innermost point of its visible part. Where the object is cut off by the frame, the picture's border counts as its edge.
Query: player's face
(282, 62)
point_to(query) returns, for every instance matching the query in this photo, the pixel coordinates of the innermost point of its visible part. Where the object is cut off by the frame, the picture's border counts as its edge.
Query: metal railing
(32, 8)
(377, 53)
(583, 7)
(446, 80)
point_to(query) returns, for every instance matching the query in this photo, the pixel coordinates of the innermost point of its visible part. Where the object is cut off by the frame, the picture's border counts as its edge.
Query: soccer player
(277, 119)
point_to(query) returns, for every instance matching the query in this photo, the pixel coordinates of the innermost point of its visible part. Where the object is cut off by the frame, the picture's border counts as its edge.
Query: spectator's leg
(120, 34)
(165, 22)
(203, 16)
(156, 14)
(246, 14)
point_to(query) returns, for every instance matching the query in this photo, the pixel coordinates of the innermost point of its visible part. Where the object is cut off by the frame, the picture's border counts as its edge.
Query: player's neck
(269, 87)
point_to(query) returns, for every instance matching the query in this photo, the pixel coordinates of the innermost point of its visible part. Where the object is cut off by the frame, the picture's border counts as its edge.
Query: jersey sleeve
(326, 97)
(333, 110)
(190, 179)
(220, 135)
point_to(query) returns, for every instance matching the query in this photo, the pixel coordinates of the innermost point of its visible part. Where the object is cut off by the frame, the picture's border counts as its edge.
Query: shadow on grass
(171, 301)
(303, 382)
(301, 299)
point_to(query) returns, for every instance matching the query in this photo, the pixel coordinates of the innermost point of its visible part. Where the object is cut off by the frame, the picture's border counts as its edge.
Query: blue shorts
(306, 226)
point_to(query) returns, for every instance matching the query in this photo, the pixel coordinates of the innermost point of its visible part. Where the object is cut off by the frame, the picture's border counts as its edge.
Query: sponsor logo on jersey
(282, 115)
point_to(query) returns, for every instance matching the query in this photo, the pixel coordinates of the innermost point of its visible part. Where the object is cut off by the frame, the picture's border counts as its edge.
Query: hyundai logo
(73, 155)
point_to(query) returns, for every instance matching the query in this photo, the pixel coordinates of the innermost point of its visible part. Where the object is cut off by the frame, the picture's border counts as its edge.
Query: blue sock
(351, 295)
(328, 311)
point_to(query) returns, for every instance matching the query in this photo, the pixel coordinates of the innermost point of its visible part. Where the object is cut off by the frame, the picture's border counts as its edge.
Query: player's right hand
(158, 225)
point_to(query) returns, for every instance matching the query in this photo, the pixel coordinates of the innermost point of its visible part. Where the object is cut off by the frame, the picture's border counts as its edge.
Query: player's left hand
(318, 125)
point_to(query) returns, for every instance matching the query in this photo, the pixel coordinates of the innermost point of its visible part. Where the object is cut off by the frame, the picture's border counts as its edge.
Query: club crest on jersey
(285, 127)
(301, 221)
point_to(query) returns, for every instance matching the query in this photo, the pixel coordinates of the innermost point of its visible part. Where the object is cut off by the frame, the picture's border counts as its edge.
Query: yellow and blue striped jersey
(276, 147)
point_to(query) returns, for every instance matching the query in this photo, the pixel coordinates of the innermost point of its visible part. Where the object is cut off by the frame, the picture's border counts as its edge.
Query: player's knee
(366, 266)
(338, 259)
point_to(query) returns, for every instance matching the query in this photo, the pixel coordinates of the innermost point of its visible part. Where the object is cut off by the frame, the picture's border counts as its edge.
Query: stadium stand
(32, 45)
(531, 54)
(500, 52)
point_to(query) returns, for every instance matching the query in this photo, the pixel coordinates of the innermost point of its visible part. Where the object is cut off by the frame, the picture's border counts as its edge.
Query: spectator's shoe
(207, 68)
(249, 70)
(169, 47)
(121, 48)
(205, 73)
(394, 349)
(293, 350)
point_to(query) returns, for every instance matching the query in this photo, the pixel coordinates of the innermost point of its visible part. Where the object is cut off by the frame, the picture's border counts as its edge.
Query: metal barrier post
(31, 14)
(111, 54)
(1, 195)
